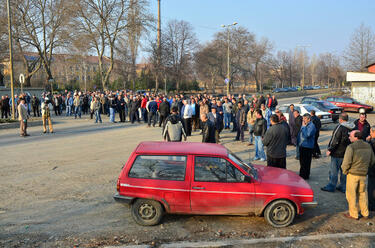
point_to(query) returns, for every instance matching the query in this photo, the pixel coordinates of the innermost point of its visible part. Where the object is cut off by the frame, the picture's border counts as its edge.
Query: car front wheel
(280, 213)
(147, 212)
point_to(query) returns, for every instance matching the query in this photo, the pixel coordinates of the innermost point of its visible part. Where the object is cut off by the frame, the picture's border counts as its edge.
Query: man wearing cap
(22, 117)
(305, 142)
(362, 125)
(46, 115)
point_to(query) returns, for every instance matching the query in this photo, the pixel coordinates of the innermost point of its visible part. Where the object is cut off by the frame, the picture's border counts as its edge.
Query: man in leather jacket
(336, 149)
(260, 128)
(208, 130)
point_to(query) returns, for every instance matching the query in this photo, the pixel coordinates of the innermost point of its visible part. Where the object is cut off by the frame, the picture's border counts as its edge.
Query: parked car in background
(309, 98)
(325, 117)
(325, 106)
(208, 179)
(350, 104)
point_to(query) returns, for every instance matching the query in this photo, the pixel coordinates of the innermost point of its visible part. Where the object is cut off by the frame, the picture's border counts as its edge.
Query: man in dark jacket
(208, 130)
(297, 127)
(172, 127)
(164, 110)
(241, 121)
(134, 105)
(215, 118)
(276, 139)
(260, 128)
(362, 125)
(152, 108)
(120, 106)
(35, 105)
(371, 174)
(318, 125)
(336, 149)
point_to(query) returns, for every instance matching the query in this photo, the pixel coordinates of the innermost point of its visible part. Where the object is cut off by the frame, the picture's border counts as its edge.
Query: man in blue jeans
(336, 149)
(260, 128)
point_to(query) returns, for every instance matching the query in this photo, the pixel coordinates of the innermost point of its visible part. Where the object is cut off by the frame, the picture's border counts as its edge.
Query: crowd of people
(351, 146)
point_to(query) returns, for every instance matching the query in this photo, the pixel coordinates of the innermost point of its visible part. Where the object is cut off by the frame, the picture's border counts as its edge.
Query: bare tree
(361, 49)
(101, 22)
(180, 43)
(260, 53)
(42, 27)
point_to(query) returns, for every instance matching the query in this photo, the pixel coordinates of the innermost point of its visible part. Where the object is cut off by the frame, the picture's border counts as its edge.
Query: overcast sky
(326, 25)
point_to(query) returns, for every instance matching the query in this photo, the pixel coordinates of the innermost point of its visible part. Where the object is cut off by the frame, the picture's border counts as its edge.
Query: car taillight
(118, 185)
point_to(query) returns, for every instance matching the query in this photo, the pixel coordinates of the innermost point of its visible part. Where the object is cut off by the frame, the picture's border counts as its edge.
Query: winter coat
(173, 128)
(340, 139)
(358, 158)
(164, 108)
(260, 127)
(365, 130)
(208, 132)
(306, 136)
(276, 139)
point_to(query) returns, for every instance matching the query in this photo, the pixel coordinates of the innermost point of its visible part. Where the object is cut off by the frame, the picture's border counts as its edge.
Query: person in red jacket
(143, 108)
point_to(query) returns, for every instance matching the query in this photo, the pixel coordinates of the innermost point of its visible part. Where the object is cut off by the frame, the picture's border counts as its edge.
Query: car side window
(212, 169)
(283, 109)
(330, 99)
(159, 167)
(298, 108)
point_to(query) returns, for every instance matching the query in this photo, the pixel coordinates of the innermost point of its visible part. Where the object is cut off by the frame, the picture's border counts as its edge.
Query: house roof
(370, 65)
(182, 148)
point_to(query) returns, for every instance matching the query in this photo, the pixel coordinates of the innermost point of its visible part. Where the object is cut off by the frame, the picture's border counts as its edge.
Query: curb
(234, 243)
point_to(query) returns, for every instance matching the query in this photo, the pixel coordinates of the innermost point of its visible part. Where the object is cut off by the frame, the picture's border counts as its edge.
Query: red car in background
(207, 179)
(349, 104)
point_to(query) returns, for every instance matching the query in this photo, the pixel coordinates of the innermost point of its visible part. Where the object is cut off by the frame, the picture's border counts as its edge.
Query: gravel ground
(56, 191)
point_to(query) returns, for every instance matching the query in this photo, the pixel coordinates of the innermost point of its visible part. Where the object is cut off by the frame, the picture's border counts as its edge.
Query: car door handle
(198, 187)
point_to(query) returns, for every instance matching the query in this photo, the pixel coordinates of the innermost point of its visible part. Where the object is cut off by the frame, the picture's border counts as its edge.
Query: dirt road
(56, 191)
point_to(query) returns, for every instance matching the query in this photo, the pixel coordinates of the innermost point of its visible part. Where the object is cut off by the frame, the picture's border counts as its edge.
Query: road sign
(22, 79)
(226, 80)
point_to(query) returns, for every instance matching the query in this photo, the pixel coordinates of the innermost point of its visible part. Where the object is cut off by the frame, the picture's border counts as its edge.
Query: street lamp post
(227, 80)
(11, 58)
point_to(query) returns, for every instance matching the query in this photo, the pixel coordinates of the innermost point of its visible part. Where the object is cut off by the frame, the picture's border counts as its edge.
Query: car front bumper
(123, 199)
(312, 204)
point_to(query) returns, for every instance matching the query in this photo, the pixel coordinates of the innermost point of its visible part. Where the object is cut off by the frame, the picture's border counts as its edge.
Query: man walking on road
(46, 115)
(336, 149)
(241, 121)
(357, 160)
(276, 140)
(22, 117)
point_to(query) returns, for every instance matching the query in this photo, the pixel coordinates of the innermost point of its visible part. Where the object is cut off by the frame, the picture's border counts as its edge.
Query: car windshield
(249, 168)
(310, 107)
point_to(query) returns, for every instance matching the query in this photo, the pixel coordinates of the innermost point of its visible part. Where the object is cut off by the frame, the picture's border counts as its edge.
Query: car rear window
(159, 167)
(310, 107)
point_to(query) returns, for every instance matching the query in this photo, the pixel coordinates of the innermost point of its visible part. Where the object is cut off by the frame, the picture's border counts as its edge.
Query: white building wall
(364, 92)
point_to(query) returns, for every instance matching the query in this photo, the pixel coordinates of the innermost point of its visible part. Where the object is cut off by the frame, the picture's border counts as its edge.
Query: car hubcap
(147, 211)
(280, 213)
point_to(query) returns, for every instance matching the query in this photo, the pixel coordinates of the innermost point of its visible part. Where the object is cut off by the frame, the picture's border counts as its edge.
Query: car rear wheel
(147, 212)
(280, 213)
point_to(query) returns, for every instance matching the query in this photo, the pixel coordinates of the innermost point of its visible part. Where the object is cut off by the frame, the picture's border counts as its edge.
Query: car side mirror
(247, 179)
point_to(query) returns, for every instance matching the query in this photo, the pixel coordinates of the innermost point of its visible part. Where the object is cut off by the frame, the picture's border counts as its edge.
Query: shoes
(296, 158)
(255, 159)
(341, 190)
(27, 135)
(249, 144)
(327, 189)
(44, 131)
(347, 215)
(236, 139)
(262, 159)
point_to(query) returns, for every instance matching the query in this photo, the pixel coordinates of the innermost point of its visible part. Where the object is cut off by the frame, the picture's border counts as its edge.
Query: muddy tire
(147, 212)
(280, 213)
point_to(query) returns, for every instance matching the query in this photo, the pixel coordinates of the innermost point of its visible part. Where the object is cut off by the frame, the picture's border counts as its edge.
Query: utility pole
(158, 53)
(228, 79)
(303, 66)
(11, 58)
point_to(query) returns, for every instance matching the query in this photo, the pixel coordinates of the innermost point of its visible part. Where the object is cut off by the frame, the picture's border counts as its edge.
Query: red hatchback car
(349, 104)
(207, 179)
